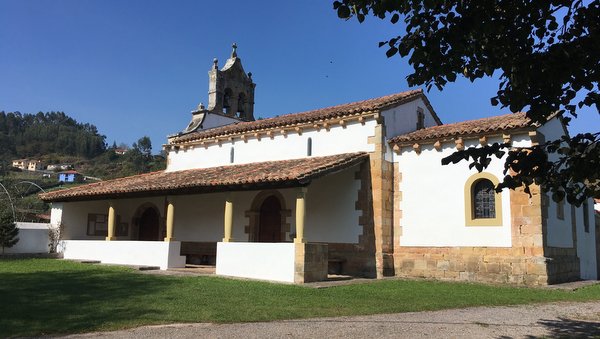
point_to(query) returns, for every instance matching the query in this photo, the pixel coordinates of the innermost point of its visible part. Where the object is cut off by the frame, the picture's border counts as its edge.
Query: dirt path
(542, 320)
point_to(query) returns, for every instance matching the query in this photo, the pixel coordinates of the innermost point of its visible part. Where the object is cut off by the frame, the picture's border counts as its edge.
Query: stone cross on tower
(231, 90)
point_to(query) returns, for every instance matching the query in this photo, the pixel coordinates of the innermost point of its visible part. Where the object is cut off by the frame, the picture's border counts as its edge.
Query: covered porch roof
(269, 174)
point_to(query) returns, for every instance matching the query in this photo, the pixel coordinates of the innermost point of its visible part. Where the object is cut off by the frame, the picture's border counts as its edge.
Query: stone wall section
(527, 262)
(310, 263)
(382, 187)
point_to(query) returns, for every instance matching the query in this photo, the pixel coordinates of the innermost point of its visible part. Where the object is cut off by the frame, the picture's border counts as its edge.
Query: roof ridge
(287, 172)
(467, 127)
(301, 117)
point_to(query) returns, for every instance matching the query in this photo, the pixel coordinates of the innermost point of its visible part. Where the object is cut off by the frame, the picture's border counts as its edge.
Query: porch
(259, 229)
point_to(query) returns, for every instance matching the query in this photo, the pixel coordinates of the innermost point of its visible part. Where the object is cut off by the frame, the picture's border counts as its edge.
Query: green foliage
(81, 298)
(137, 160)
(546, 54)
(33, 135)
(8, 230)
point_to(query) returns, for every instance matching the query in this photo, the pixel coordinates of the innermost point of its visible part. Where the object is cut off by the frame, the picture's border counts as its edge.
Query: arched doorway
(269, 224)
(149, 225)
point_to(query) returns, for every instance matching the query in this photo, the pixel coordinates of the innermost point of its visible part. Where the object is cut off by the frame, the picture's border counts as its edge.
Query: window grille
(484, 200)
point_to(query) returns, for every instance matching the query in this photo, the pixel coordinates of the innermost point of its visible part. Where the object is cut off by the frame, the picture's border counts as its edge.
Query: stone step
(148, 268)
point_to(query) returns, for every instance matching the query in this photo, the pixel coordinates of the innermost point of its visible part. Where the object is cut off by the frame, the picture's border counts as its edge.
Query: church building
(355, 189)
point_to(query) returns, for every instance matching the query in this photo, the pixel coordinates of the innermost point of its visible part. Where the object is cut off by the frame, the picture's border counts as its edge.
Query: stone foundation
(484, 264)
(310, 263)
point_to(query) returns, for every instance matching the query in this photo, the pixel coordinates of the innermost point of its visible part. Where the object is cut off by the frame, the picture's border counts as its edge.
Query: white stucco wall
(56, 210)
(216, 120)
(143, 253)
(433, 204)
(33, 238)
(586, 243)
(265, 261)
(403, 119)
(352, 138)
(330, 209)
(559, 232)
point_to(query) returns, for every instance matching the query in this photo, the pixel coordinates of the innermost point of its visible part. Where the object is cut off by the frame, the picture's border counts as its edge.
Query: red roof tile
(283, 173)
(466, 128)
(305, 117)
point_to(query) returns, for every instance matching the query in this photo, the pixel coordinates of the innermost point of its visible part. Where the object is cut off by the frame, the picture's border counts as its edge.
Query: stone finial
(201, 107)
(216, 63)
(234, 52)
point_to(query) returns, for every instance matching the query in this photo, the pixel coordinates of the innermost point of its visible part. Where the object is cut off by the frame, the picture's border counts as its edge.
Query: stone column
(228, 220)
(300, 213)
(111, 222)
(170, 220)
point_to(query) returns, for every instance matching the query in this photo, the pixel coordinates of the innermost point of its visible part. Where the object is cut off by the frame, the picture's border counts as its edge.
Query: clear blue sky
(138, 67)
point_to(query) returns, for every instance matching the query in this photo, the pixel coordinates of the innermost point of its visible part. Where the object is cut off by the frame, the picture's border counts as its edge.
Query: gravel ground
(527, 321)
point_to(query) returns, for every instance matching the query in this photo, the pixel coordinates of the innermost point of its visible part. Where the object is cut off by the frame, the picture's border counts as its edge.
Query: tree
(144, 146)
(546, 54)
(8, 231)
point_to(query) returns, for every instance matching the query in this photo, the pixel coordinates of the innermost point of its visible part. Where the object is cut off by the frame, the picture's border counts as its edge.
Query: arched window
(483, 206)
(309, 147)
(241, 104)
(227, 101)
(484, 199)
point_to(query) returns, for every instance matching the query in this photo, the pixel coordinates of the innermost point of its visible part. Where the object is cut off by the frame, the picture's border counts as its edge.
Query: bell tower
(230, 89)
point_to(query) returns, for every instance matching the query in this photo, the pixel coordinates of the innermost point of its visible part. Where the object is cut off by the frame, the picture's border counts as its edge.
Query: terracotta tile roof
(466, 128)
(305, 117)
(283, 173)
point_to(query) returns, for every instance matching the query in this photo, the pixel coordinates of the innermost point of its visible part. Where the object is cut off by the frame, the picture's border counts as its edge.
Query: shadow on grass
(74, 301)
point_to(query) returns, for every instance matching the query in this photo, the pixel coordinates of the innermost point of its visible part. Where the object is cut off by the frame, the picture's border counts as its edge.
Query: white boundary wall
(264, 261)
(144, 253)
(33, 238)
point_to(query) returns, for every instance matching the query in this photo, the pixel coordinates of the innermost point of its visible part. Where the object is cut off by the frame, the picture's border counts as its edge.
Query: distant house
(70, 176)
(121, 151)
(20, 163)
(26, 164)
(34, 165)
(59, 167)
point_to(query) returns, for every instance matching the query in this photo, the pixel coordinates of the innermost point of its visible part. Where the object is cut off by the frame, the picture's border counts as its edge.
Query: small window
(241, 104)
(231, 155)
(586, 217)
(560, 210)
(227, 101)
(484, 200)
(483, 206)
(309, 147)
(98, 225)
(420, 118)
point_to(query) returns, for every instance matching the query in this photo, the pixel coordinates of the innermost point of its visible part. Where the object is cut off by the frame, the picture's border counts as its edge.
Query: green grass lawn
(45, 296)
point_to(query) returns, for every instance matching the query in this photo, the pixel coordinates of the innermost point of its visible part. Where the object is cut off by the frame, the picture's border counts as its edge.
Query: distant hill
(34, 135)
(56, 138)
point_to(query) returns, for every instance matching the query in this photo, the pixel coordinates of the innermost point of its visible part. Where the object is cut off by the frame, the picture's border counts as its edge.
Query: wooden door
(149, 225)
(269, 226)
